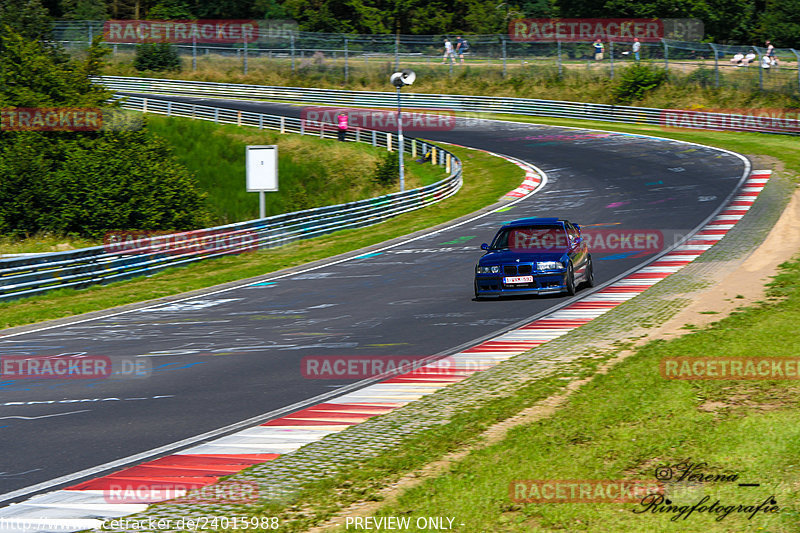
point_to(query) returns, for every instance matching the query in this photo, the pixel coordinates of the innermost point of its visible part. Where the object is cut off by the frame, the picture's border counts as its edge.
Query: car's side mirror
(484, 246)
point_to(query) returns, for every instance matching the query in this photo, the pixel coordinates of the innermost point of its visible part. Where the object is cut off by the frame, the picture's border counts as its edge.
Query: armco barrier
(455, 102)
(20, 277)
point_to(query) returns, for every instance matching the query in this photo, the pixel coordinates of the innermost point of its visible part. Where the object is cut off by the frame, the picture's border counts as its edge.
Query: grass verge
(688, 86)
(312, 173)
(486, 178)
(626, 423)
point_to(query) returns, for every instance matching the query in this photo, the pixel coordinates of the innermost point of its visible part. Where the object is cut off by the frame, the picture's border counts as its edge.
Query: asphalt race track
(226, 357)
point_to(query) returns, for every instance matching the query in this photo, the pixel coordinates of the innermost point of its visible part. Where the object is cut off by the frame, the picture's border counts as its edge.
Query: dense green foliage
(387, 170)
(636, 81)
(158, 57)
(90, 183)
(83, 183)
(726, 21)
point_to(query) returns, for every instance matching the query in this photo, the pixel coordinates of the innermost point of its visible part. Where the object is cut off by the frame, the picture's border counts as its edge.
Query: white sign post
(262, 173)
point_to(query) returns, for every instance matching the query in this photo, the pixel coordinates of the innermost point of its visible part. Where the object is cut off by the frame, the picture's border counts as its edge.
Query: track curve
(226, 357)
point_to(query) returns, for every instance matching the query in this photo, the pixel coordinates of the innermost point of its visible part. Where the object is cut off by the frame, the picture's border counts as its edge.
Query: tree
(82, 183)
(28, 18)
(780, 23)
(84, 9)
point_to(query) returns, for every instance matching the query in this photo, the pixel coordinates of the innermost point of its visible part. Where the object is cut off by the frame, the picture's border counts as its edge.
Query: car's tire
(589, 281)
(570, 281)
(477, 297)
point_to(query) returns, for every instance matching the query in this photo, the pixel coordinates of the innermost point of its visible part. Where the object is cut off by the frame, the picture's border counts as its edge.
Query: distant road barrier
(761, 121)
(31, 275)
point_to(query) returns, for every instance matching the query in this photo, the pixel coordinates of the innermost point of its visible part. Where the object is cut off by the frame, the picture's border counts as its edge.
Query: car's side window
(572, 232)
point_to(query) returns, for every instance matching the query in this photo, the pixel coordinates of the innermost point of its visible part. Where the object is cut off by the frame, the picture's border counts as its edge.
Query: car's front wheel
(477, 296)
(570, 281)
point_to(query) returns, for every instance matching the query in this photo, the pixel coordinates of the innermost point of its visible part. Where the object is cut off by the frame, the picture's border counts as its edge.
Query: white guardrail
(27, 276)
(761, 121)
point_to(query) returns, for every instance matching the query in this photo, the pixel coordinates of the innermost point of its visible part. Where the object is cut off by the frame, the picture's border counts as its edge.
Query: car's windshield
(532, 239)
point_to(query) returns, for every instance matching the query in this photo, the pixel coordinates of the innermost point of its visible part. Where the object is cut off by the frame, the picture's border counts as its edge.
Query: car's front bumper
(493, 285)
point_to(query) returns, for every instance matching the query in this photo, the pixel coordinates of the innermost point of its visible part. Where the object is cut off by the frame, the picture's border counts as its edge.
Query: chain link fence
(348, 56)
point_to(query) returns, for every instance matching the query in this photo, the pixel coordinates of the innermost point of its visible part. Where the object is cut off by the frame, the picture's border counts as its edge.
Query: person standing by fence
(342, 121)
(462, 47)
(448, 51)
(636, 47)
(598, 50)
(773, 60)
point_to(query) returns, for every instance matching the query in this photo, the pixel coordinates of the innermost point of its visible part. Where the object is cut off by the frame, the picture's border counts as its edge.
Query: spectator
(448, 51)
(636, 47)
(462, 47)
(598, 50)
(342, 121)
(773, 59)
(748, 59)
(737, 59)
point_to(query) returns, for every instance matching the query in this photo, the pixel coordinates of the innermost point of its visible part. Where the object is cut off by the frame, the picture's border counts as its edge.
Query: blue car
(534, 256)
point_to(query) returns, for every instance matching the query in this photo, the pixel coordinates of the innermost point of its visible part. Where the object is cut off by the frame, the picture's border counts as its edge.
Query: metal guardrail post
(397, 52)
(244, 67)
(194, 51)
(292, 41)
(611, 56)
(797, 55)
(560, 66)
(760, 68)
(89, 27)
(716, 64)
(505, 70)
(666, 55)
(346, 69)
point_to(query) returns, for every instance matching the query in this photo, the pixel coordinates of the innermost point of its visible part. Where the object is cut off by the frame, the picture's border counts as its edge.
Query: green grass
(487, 178)
(625, 423)
(312, 172)
(687, 88)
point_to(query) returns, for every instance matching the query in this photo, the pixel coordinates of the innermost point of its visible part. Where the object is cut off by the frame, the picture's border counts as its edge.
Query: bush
(387, 170)
(636, 81)
(157, 57)
(87, 184)
(704, 77)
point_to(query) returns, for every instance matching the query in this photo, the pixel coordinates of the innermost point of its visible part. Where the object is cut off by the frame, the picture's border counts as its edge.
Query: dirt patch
(714, 303)
(708, 305)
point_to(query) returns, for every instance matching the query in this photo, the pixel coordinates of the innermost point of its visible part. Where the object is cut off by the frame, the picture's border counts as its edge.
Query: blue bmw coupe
(534, 256)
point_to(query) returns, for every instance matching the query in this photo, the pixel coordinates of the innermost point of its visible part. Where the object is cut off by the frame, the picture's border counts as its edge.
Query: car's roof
(535, 221)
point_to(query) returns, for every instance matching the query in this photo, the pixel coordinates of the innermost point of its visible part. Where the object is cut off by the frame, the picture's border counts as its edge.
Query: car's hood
(497, 257)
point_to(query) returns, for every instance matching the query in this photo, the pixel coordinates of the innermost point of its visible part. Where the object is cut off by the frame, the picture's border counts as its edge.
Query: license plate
(517, 279)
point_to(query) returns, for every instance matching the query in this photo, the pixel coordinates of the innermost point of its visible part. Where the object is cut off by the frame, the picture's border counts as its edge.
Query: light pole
(399, 80)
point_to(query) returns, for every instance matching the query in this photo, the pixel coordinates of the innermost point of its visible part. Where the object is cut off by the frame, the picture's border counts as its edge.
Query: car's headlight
(549, 265)
(487, 269)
